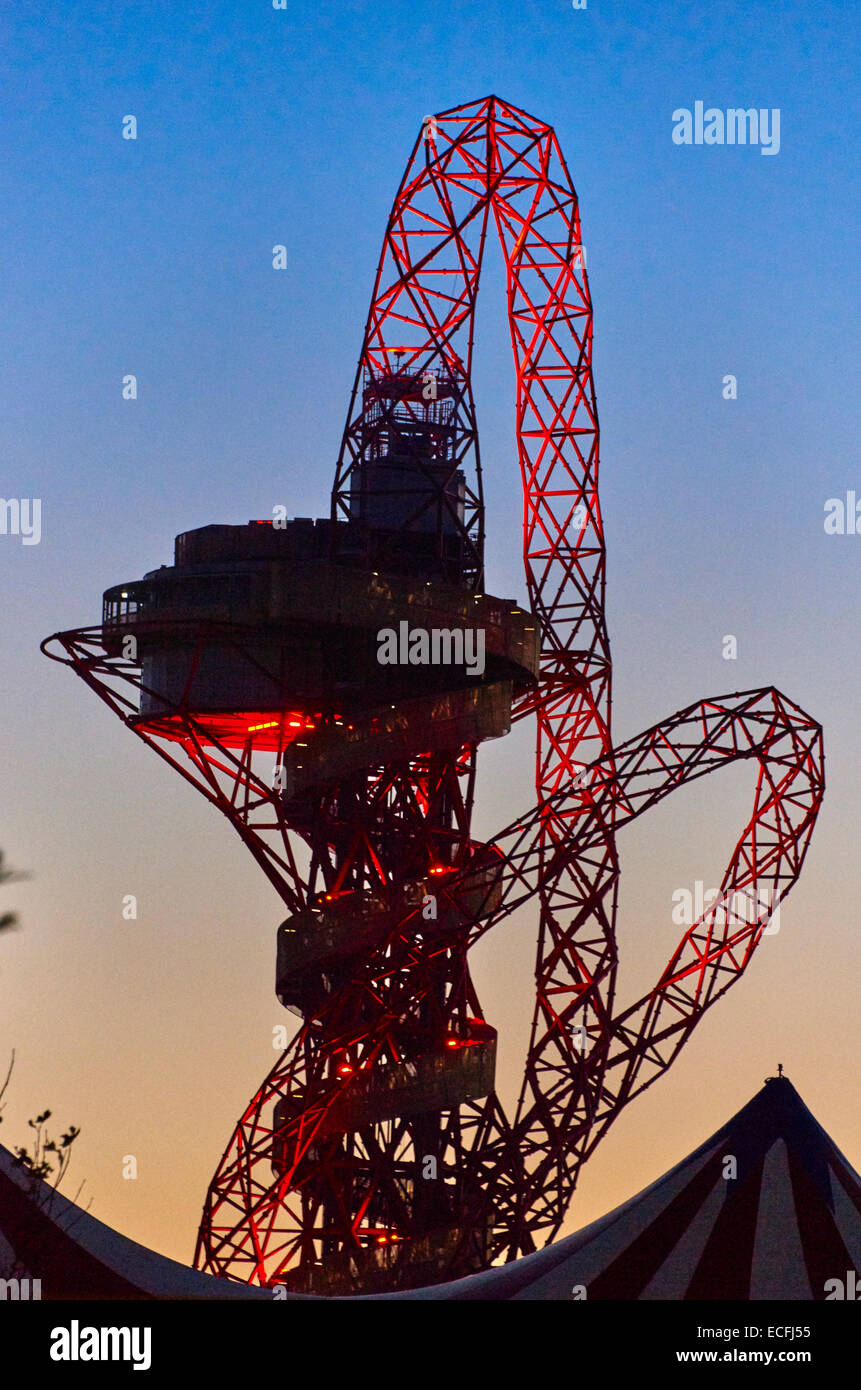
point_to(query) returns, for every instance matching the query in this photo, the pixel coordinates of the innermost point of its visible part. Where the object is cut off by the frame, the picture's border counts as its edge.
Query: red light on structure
(229, 729)
(388, 1238)
(452, 1042)
(345, 1069)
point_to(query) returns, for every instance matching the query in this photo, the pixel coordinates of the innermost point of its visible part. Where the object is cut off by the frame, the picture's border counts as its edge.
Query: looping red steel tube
(367, 1159)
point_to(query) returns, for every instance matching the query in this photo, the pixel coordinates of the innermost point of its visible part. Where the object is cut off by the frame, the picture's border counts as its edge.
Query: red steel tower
(326, 685)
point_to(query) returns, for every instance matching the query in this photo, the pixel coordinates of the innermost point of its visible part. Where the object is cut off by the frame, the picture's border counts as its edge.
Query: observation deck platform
(254, 631)
(461, 1070)
(356, 923)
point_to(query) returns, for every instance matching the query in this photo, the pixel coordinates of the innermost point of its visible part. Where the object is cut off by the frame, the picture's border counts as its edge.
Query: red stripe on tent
(638, 1264)
(724, 1268)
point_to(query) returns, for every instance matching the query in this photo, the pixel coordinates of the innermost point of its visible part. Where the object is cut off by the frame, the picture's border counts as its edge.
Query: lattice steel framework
(297, 1186)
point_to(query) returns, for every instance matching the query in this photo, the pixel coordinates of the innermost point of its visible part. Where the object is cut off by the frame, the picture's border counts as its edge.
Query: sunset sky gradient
(259, 126)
